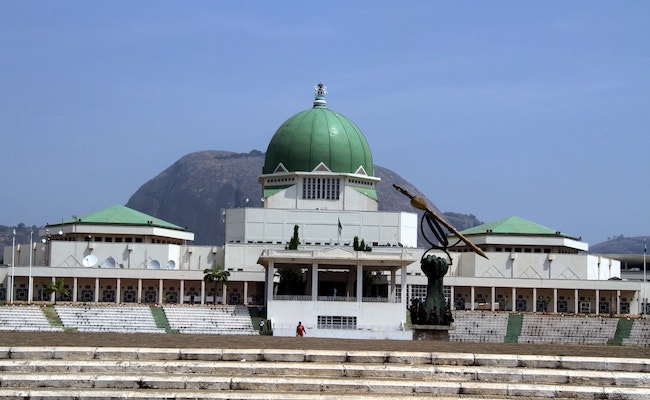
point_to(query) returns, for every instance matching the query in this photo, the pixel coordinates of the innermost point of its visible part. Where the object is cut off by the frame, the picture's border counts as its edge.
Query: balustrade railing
(291, 297)
(295, 297)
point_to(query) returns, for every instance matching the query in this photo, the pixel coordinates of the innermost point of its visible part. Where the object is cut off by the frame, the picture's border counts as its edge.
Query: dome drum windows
(321, 188)
(279, 181)
(359, 182)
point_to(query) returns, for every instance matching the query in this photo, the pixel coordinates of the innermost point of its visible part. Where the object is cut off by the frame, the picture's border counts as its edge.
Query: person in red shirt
(300, 329)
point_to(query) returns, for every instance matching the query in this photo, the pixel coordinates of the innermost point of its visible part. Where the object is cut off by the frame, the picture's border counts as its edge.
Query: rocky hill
(620, 245)
(194, 191)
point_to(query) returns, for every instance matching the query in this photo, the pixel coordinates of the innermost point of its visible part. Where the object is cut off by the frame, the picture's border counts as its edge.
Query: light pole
(31, 253)
(644, 302)
(13, 270)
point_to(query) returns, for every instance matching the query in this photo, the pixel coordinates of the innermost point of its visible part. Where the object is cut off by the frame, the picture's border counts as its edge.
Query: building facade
(354, 270)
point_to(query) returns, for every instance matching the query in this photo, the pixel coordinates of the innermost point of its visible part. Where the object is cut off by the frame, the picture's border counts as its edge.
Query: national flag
(340, 227)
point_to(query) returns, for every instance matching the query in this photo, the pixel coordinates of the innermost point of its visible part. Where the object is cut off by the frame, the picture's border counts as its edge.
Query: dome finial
(320, 91)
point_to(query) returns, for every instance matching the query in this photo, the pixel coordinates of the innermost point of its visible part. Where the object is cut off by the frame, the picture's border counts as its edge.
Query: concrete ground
(13, 339)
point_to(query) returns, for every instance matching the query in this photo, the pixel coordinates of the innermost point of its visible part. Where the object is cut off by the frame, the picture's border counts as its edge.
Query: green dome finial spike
(320, 91)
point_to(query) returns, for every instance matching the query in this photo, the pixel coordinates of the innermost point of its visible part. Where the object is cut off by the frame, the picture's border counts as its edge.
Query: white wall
(271, 226)
(376, 316)
(135, 255)
(538, 266)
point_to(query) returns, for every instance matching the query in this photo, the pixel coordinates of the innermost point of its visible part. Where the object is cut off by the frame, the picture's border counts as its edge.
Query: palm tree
(57, 287)
(216, 275)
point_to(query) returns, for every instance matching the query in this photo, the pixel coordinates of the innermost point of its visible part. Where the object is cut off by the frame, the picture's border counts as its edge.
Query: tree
(295, 240)
(291, 279)
(360, 246)
(216, 275)
(57, 287)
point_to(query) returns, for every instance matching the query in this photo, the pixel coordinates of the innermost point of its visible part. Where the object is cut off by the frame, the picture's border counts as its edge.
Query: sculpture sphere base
(431, 332)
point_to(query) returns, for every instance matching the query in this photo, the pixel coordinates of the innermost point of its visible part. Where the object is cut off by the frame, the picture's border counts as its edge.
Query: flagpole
(340, 228)
(13, 263)
(643, 303)
(31, 252)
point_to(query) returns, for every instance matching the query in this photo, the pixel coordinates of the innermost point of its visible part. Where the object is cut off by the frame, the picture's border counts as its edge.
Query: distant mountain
(620, 245)
(194, 191)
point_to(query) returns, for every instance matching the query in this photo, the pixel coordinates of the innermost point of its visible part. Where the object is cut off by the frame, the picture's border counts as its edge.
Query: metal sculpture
(434, 310)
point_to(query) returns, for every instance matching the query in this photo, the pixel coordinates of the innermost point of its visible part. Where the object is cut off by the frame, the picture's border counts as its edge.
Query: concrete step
(109, 372)
(413, 391)
(328, 356)
(462, 373)
(341, 386)
(82, 394)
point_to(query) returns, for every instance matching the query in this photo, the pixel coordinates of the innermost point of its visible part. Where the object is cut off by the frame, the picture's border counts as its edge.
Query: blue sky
(499, 108)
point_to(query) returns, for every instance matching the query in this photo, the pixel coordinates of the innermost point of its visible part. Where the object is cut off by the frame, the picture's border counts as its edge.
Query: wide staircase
(479, 327)
(117, 319)
(639, 334)
(550, 329)
(210, 320)
(25, 318)
(170, 373)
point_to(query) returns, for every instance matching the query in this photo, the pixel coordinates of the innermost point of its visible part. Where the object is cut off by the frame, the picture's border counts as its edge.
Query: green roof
(513, 226)
(318, 135)
(372, 193)
(121, 215)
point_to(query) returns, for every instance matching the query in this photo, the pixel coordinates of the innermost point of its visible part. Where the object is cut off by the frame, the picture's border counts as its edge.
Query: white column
(575, 301)
(534, 299)
(225, 293)
(403, 283)
(618, 302)
(452, 298)
(139, 291)
(182, 290)
(513, 301)
(554, 300)
(314, 281)
(392, 287)
(597, 301)
(118, 291)
(492, 297)
(75, 283)
(359, 283)
(96, 290)
(471, 298)
(245, 293)
(203, 292)
(53, 295)
(160, 291)
(269, 283)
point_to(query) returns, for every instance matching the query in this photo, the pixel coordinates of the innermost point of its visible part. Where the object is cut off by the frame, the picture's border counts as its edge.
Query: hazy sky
(495, 108)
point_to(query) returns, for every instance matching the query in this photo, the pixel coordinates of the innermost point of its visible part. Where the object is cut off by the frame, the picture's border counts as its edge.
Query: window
(321, 188)
(336, 322)
(418, 292)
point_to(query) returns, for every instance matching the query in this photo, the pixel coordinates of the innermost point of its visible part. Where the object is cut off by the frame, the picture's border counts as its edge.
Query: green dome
(318, 135)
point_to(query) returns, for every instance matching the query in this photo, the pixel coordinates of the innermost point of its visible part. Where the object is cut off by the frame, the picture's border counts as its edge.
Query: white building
(318, 176)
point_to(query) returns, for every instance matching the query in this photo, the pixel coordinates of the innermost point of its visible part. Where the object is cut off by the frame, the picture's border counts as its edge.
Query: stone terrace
(139, 373)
